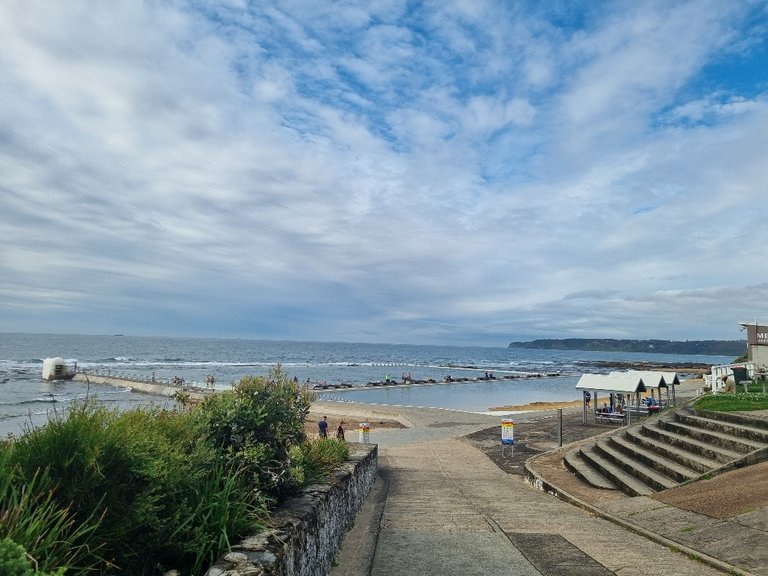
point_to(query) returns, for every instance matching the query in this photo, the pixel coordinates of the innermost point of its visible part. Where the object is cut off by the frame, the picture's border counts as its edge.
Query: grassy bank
(148, 490)
(733, 402)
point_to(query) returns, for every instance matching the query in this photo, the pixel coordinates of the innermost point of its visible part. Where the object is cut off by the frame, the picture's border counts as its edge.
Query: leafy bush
(152, 486)
(15, 562)
(31, 516)
(147, 490)
(254, 426)
(732, 402)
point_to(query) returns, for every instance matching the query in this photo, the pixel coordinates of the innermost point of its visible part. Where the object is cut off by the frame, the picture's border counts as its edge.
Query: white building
(57, 369)
(728, 376)
(757, 345)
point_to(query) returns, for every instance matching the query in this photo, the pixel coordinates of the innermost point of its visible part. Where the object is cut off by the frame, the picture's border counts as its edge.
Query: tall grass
(31, 516)
(153, 487)
(314, 460)
(219, 514)
(144, 491)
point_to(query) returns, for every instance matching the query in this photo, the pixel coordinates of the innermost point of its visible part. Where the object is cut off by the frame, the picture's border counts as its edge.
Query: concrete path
(441, 507)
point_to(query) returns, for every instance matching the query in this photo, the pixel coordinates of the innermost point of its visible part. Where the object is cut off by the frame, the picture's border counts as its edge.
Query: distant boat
(57, 369)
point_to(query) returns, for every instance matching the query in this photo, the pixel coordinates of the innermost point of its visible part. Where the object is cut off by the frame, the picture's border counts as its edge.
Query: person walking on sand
(323, 427)
(340, 431)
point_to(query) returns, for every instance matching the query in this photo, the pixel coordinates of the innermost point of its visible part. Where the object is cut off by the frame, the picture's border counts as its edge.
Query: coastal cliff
(702, 347)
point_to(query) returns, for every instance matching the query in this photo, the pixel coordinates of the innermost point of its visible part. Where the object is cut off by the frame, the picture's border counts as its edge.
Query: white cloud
(379, 172)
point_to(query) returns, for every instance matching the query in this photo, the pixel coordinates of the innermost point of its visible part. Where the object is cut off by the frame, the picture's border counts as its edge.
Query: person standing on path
(323, 427)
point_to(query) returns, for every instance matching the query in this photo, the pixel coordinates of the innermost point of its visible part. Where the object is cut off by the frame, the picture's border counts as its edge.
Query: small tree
(254, 427)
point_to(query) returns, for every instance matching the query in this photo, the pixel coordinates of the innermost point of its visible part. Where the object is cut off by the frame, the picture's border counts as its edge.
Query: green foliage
(147, 490)
(153, 487)
(732, 402)
(31, 516)
(254, 427)
(15, 562)
(182, 397)
(757, 386)
(223, 509)
(313, 461)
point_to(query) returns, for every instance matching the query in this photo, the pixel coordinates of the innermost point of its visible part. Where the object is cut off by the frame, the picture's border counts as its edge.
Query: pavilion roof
(615, 382)
(654, 378)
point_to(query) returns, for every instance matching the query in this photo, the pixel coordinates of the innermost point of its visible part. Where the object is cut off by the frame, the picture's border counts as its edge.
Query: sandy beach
(390, 417)
(393, 417)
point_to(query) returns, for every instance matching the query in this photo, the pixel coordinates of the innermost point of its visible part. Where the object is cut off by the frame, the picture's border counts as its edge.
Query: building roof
(615, 382)
(654, 378)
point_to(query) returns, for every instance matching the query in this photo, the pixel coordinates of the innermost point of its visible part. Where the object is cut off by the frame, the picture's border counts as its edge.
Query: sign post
(507, 431)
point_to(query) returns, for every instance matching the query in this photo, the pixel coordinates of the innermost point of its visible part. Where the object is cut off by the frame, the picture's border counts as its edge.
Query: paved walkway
(441, 506)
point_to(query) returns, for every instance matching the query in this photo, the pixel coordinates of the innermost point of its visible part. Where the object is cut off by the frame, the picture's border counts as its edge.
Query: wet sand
(537, 406)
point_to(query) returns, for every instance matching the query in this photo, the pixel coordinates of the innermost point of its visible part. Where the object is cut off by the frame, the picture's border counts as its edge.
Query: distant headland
(703, 347)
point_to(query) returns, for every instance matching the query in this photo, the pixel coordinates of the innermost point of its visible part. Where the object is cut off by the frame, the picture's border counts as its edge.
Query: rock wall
(307, 530)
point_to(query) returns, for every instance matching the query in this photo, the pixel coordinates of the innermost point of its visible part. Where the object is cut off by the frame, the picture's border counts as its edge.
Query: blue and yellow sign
(507, 432)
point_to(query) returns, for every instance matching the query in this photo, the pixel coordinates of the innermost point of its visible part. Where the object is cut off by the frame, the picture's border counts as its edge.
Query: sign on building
(757, 335)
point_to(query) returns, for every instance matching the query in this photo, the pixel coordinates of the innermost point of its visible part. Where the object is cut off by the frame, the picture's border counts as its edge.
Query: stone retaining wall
(307, 530)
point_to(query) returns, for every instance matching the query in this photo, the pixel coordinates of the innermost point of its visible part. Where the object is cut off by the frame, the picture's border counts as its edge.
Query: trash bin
(364, 432)
(739, 375)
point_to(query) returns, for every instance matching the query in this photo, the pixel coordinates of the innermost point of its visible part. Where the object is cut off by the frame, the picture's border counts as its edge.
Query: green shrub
(31, 516)
(254, 426)
(101, 470)
(152, 485)
(731, 402)
(147, 490)
(15, 562)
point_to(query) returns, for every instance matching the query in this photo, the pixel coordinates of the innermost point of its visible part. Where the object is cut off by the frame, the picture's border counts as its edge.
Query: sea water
(25, 399)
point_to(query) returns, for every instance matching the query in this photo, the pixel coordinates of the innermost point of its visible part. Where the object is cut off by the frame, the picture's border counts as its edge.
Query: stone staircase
(670, 449)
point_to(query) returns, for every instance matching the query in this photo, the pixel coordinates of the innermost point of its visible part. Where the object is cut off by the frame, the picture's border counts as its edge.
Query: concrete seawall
(154, 388)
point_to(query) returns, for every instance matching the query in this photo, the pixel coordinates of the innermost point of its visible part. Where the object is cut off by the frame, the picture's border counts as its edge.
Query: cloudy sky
(459, 172)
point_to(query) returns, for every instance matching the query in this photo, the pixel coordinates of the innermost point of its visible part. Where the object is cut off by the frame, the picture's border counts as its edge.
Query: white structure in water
(57, 369)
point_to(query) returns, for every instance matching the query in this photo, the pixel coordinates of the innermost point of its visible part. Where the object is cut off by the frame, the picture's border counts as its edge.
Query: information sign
(507, 432)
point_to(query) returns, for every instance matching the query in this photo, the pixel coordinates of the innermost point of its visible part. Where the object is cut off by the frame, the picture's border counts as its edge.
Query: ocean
(25, 399)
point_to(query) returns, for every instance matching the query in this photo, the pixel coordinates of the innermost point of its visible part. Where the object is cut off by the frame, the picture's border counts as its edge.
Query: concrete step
(684, 442)
(691, 460)
(625, 482)
(737, 430)
(669, 468)
(719, 439)
(654, 479)
(735, 418)
(584, 472)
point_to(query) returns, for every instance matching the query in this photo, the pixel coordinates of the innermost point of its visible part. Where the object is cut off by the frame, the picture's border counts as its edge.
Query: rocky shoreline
(687, 367)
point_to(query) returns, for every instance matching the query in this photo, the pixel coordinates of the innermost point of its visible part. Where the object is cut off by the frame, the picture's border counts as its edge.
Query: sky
(447, 172)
